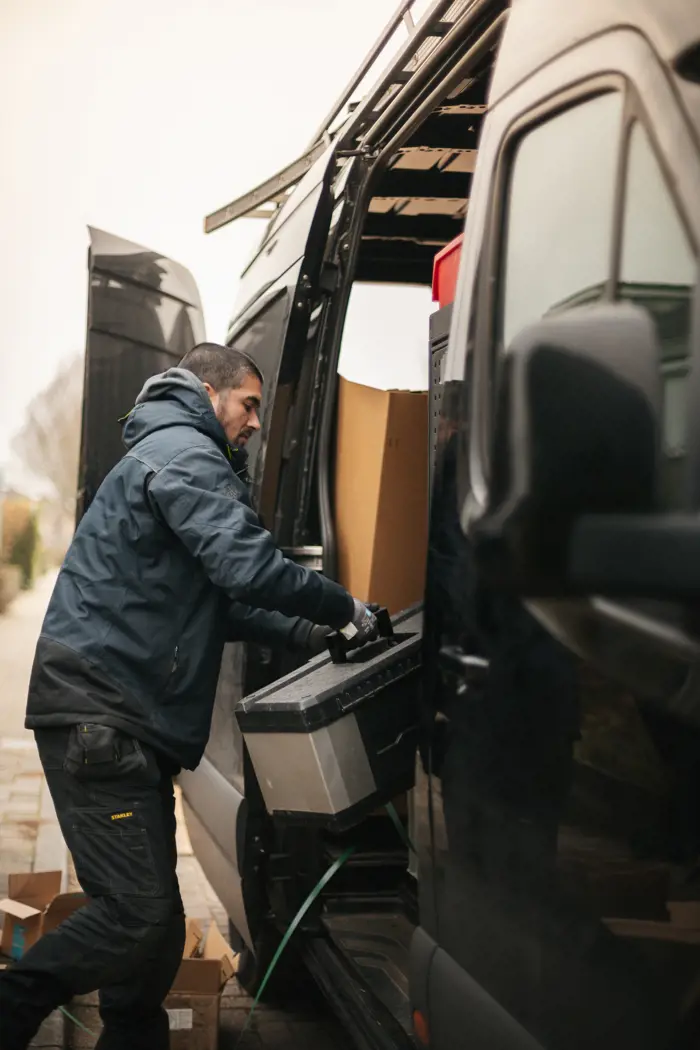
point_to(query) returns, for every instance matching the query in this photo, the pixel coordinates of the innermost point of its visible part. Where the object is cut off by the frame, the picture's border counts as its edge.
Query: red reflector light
(420, 1027)
(445, 268)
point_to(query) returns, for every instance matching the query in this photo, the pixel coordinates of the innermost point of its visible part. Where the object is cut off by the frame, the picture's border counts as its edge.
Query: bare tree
(48, 443)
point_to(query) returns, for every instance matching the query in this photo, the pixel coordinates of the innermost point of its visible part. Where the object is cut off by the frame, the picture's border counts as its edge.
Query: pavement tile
(51, 1034)
(16, 860)
(233, 993)
(18, 827)
(236, 1018)
(48, 810)
(50, 852)
(276, 1036)
(17, 743)
(229, 1039)
(20, 805)
(77, 1037)
(28, 784)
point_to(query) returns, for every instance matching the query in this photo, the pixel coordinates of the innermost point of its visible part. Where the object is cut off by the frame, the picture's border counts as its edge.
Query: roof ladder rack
(423, 36)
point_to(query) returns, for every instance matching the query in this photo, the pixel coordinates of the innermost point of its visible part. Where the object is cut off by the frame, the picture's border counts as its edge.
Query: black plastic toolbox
(332, 741)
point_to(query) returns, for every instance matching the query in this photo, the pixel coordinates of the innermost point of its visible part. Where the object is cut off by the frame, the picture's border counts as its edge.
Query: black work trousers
(114, 800)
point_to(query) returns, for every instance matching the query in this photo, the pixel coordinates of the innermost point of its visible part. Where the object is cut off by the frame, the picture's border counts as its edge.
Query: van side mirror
(574, 456)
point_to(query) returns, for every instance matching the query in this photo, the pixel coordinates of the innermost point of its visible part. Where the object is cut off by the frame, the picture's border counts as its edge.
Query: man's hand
(362, 628)
(316, 642)
(309, 638)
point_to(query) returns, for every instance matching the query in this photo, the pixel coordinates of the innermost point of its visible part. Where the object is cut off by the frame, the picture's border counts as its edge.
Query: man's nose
(255, 422)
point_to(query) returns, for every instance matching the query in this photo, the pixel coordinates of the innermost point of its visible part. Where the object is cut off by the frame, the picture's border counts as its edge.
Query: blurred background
(138, 118)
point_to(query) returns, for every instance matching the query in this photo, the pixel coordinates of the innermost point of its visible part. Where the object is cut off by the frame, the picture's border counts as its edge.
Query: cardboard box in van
(381, 493)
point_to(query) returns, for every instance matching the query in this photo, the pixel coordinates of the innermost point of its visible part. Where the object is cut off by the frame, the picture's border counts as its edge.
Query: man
(168, 563)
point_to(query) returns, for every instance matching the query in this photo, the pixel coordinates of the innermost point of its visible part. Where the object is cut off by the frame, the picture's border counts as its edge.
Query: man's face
(237, 410)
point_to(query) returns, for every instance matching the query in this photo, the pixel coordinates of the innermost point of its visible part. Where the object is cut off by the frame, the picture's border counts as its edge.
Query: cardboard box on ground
(194, 1001)
(36, 906)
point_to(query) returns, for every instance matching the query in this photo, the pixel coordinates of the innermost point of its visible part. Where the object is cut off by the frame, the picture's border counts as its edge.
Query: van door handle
(473, 669)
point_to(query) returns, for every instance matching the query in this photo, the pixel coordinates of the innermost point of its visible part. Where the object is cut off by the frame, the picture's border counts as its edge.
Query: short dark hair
(221, 366)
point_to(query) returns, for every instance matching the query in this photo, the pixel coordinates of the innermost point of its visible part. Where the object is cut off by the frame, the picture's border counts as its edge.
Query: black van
(509, 788)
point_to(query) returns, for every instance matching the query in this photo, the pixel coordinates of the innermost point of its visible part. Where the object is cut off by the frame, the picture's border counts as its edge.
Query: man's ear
(211, 392)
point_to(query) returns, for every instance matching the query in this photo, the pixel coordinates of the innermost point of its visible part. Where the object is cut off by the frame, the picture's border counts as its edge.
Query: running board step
(367, 1021)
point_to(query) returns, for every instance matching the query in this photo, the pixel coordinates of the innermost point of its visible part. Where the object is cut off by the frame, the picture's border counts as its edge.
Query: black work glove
(362, 628)
(309, 638)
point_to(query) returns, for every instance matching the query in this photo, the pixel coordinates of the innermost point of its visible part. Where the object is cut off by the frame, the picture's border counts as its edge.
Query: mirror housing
(575, 433)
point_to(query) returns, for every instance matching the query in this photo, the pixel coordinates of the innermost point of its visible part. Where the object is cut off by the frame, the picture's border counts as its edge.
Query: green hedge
(25, 550)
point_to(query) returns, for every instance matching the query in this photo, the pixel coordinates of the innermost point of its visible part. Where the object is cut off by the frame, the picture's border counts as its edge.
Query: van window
(560, 213)
(658, 271)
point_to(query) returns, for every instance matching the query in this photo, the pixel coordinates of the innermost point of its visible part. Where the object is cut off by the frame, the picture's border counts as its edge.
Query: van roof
(536, 31)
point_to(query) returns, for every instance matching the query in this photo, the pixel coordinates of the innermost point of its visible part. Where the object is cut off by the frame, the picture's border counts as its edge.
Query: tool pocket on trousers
(112, 853)
(97, 752)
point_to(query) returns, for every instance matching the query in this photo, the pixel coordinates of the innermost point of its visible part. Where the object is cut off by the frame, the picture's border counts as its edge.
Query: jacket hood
(178, 398)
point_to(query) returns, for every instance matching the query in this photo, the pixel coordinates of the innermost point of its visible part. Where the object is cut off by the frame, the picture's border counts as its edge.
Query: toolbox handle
(339, 647)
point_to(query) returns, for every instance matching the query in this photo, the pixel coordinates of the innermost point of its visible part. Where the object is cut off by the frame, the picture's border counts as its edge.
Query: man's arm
(246, 624)
(196, 495)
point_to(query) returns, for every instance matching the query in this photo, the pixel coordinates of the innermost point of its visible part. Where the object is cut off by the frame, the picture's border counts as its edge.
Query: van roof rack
(423, 37)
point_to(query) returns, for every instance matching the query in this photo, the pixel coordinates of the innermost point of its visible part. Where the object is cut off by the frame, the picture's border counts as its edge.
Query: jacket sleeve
(196, 495)
(245, 624)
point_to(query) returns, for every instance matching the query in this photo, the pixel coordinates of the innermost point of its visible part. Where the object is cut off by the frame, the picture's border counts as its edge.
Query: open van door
(279, 314)
(144, 313)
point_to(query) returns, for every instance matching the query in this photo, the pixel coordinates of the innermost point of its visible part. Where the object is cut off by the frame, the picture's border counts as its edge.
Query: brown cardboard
(193, 938)
(193, 1021)
(37, 888)
(34, 906)
(381, 493)
(685, 914)
(21, 928)
(215, 947)
(193, 1003)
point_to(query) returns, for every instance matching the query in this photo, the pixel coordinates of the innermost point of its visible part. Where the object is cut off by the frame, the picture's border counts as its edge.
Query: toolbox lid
(320, 692)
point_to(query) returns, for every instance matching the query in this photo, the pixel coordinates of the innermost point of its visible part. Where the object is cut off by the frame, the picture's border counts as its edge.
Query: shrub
(25, 550)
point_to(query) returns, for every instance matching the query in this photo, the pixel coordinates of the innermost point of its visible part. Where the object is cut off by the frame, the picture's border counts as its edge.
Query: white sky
(139, 117)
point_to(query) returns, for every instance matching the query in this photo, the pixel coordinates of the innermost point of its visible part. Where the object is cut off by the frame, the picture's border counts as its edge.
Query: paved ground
(30, 840)
(19, 629)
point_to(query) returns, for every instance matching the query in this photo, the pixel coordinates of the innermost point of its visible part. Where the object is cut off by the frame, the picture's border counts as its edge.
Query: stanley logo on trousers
(122, 816)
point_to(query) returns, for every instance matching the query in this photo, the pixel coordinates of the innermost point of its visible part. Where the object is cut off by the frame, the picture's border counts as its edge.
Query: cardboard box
(381, 493)
(194, 1000)
(35, 906)
(685, 914)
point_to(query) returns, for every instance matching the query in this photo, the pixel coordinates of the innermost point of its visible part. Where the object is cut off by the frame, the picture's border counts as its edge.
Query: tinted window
(560, 213)
(658, 271)
(263, 340)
